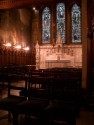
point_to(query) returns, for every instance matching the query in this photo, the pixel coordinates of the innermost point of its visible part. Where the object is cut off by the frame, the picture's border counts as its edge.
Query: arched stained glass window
(60, 20)
(46, 24)
(76, 24)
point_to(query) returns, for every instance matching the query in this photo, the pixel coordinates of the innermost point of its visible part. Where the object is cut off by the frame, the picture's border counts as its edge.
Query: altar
(58, 58)
(58, 55)
(57, 63)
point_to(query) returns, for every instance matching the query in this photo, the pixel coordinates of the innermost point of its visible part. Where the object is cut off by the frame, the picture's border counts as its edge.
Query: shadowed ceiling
(8, 4)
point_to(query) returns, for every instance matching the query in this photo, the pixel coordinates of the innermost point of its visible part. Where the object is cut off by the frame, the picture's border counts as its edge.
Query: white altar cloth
(57, 63)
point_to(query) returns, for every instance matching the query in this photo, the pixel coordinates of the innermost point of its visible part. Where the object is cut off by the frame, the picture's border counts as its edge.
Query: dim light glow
(34, 8)
(7, 44)
(18, 47)
(26, 48)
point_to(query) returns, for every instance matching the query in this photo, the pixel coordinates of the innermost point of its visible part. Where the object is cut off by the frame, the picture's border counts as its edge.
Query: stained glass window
(46, 22)
(76, 24)
(60, 20)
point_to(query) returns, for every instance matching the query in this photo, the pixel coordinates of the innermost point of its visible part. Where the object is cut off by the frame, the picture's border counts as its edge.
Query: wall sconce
(26, 48)
(34, 8)
(18, 47)
(7, 44)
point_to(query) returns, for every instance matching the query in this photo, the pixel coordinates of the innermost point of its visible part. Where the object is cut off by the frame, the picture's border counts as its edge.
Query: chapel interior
(46, 61)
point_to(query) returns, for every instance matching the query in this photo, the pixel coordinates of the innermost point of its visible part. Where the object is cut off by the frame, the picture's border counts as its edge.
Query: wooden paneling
(9, 56)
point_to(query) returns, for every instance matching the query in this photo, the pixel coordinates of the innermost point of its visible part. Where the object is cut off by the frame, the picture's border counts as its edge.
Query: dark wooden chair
(38, 99)
(10, 102)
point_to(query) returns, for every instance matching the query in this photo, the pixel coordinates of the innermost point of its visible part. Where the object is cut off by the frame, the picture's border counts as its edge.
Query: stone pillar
(84, 43)
(37, 56)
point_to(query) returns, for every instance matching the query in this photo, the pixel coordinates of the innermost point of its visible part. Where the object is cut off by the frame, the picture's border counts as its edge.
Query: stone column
(84, 43)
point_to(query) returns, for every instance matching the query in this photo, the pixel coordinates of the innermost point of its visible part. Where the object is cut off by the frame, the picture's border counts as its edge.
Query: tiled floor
(85, 118)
